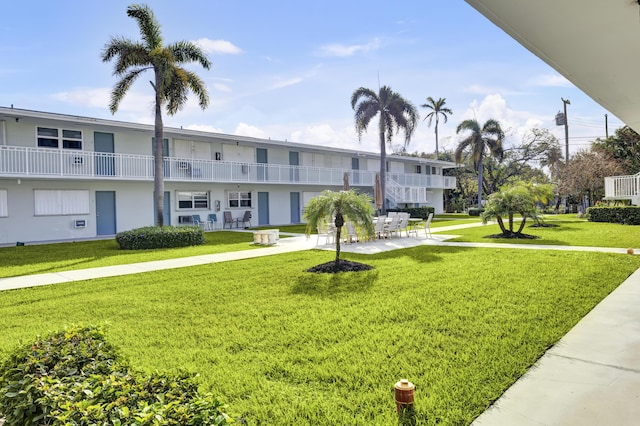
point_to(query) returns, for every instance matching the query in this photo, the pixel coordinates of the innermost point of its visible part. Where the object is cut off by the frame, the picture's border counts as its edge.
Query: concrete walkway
(590, 377)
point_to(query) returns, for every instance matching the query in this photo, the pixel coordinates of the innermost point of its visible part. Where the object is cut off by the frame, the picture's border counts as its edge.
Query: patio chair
(212, 221)
(195, 220)
(379, 227)
(403, 224)
(352, 233)
(328, 231)
(392, 227)
(228, 219)
(426, 226)
(246, 218)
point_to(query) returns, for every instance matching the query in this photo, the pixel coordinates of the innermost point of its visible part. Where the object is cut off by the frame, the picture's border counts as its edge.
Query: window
(56, 202)
(237, 199)
(4, 208)
(192, 200)
(51, 138)
(418, 168)
(434, 171)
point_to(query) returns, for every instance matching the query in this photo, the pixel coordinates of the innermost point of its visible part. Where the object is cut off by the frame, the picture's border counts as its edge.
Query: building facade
(67, 177)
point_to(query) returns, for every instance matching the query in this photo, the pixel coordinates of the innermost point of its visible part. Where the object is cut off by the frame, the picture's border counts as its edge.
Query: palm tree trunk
(501, 224)
(524, 220)
(383, 164)
(339, 222)
(480, 171)
(158, 157)
(437, 157)
(511, 222)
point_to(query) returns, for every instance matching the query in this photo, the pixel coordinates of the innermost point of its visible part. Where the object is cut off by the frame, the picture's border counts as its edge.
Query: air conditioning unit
(78, 160)
(184, 165)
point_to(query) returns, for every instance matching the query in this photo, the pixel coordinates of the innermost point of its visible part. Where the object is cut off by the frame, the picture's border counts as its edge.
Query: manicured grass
(294, 229)
(37, 259)
(284, 347)
(570, 231)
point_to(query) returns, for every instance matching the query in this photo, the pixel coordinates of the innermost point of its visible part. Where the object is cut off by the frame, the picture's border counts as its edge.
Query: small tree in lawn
(510, 200)
(342, 206)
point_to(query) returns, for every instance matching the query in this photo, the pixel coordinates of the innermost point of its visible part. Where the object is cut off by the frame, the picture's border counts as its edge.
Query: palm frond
(122, 87)
(149, 26)
(186, 52)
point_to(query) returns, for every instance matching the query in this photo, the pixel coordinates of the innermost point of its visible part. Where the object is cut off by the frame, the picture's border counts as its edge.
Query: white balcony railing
(622, 187)
(43, 162)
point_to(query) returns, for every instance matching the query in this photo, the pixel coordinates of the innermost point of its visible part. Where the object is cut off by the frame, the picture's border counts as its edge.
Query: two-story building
(65, 177)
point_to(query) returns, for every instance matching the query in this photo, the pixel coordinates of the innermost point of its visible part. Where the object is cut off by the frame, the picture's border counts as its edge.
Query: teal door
(355, 165)
(104, 148)
(261, 159)
(295, 207)
(105, 212)
(294, 160)
(263, 208)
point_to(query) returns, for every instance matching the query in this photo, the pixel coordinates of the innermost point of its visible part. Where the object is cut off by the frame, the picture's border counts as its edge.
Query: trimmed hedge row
(627, 215)
(75, 378)
(421, 212)
(474, 211)
(153, 237)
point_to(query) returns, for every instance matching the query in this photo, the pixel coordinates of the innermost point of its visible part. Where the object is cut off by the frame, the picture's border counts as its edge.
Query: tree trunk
(383, 164)
(524, 220)
(437, 136)
(339, 222)
(501, 224)
(511, 222)
(158, 156)
(480, 171)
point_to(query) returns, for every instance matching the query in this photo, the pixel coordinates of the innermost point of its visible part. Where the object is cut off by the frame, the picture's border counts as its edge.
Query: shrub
(421, 212)
(474, 211)
(75, 378)
(627, 215)
(154, 237)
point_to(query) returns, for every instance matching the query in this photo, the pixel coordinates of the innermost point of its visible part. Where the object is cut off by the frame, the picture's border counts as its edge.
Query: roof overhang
(595, 44)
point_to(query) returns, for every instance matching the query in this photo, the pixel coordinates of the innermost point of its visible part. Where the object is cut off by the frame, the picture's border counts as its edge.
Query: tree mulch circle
(345, 266)
(514, 236)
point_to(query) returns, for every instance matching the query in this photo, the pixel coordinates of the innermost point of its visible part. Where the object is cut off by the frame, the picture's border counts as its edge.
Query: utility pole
(566, 129)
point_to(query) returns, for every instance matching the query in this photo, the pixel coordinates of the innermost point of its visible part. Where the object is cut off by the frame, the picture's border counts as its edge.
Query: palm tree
(171, 81)
(505, 203)
(343, 206)
(395, 113)
(490, 137)
(437, 109)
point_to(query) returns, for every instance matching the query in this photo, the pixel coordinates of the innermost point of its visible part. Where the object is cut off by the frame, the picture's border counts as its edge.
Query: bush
(75, 378)
(421, 212)
(627, 215)
(474, 211)
(154, 237)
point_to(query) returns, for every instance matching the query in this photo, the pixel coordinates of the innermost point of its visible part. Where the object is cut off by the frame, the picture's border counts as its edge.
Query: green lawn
(38, 259)
(284, 347)
(569, 231)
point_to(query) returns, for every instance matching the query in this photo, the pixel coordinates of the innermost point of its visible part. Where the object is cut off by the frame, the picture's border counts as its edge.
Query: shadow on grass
(313, 284)
(420, 254)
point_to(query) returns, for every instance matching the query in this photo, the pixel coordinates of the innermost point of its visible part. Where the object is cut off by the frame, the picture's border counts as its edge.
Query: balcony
(21, 162)
(622, 188)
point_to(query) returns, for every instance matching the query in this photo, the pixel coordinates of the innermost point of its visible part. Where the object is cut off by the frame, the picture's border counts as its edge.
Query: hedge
(474, 211)
(627, 215)
(153, 237)
(421, 212)
(75, 378)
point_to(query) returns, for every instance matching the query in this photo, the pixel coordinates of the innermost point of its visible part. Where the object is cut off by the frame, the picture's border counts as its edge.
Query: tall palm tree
(171, 82)
(395, 112)
(490, 137)
(437, 109)
(343, 206)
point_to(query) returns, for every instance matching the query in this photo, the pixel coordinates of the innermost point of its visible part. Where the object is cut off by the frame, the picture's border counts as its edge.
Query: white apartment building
(65, 177)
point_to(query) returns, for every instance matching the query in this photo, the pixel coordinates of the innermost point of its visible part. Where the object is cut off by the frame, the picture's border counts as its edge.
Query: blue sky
(286, 69)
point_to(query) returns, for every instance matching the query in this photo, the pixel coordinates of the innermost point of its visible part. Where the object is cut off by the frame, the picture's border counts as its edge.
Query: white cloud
(217, 46)
(342, 50)
(550, 80)
(285, 83)
(100, 97)
(244, 129)
(204, 128)
(221, 87)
